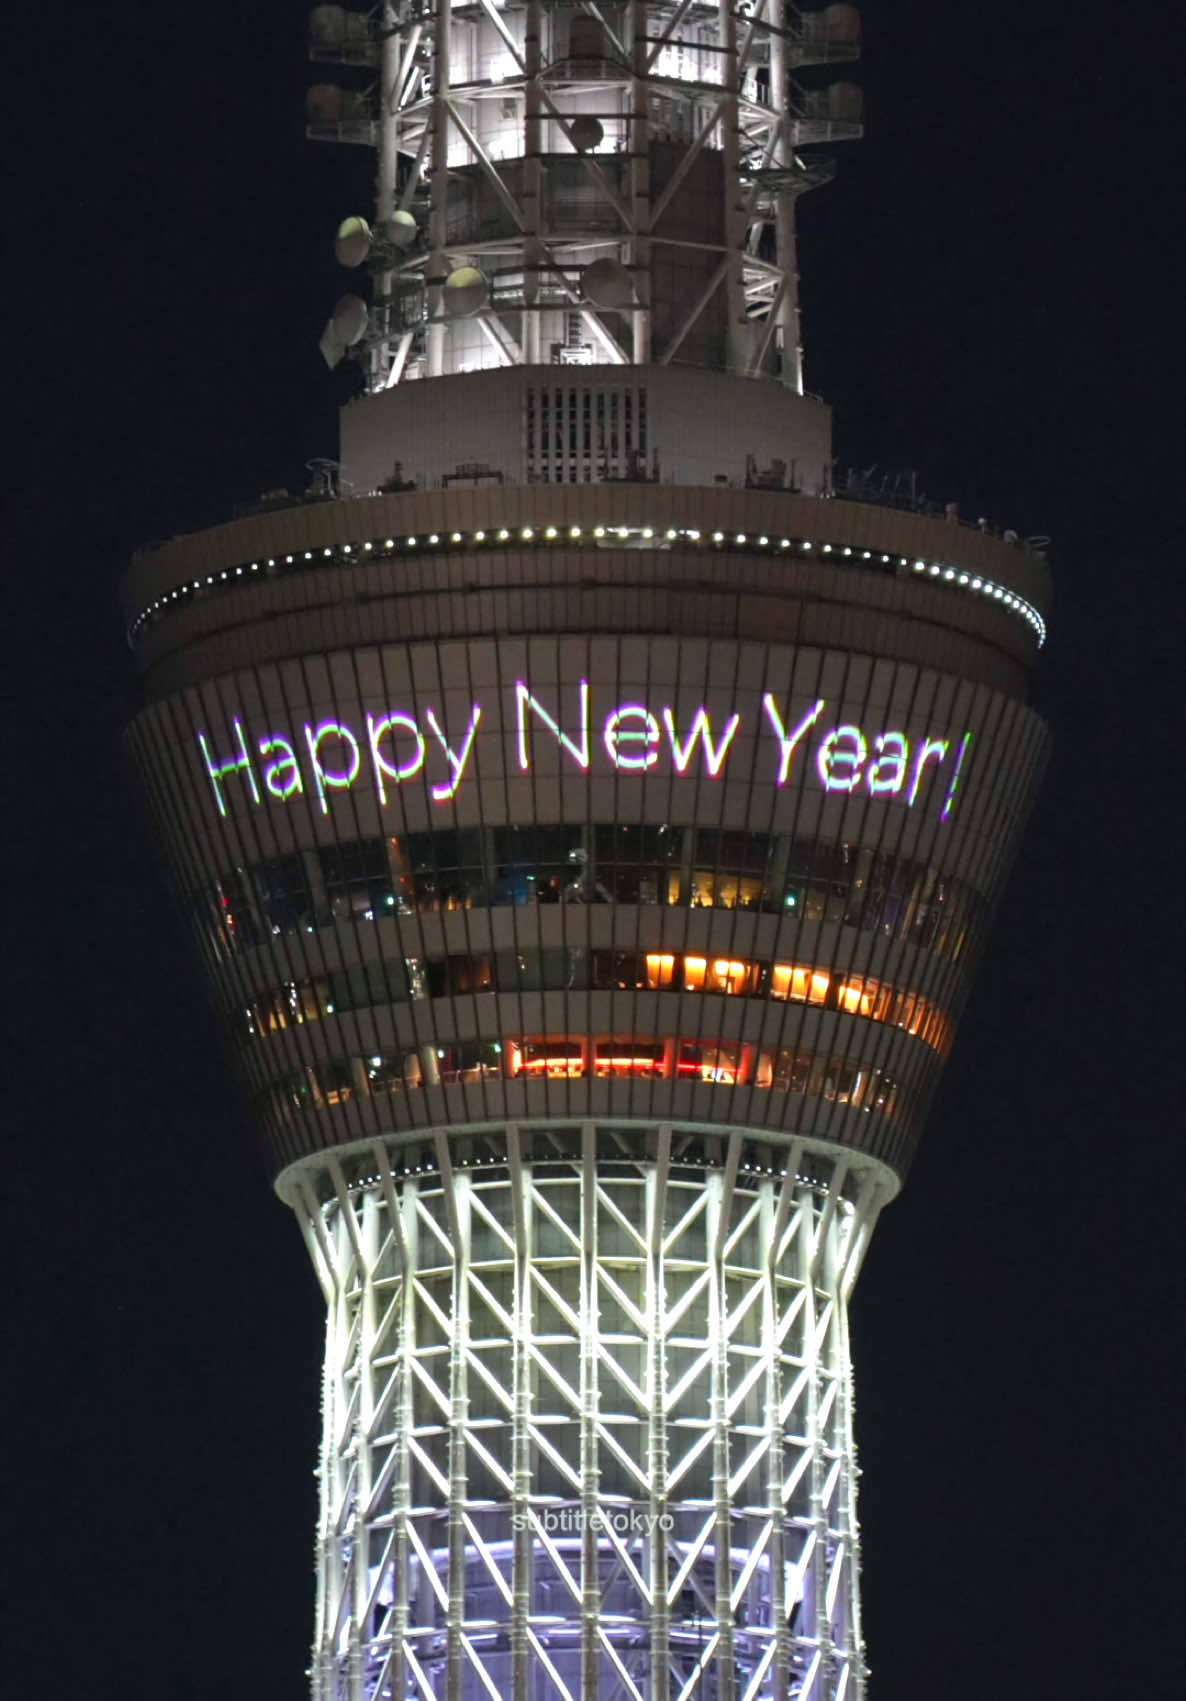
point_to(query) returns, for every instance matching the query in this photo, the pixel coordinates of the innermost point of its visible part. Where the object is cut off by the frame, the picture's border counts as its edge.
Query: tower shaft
(590, 824)
(669, 1345)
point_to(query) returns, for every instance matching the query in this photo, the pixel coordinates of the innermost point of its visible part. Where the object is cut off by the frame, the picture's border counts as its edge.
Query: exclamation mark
(955, 776)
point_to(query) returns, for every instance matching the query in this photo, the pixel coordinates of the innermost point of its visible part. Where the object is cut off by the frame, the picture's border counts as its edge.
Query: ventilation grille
(574, 434)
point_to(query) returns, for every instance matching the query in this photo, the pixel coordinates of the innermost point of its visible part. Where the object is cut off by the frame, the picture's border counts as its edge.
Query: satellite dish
(332, 348)
(327, 25)
(353, 242)
(346, 326)
(350, 319)
(466, 291)
(837, 23)
(607, 284)
(400, 230)
(323, 103)
(586, 133)
(846, 102)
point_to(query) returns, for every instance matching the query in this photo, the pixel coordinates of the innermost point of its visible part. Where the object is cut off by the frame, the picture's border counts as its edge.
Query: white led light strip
(956, 578)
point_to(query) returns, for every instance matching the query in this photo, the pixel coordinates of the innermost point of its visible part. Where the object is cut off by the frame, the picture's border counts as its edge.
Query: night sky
(984, 302)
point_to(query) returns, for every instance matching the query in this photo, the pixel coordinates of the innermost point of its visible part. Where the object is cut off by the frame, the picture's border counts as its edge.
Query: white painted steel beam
(588, 1421)
(694, 115)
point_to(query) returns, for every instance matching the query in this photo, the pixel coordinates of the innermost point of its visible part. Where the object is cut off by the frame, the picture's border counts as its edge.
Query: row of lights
(953, 576)
(362, 1182)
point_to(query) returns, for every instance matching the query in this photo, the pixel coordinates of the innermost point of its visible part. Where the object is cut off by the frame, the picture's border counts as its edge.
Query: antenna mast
(581, 184)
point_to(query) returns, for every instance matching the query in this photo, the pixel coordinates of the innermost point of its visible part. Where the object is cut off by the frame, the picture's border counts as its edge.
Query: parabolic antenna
(350, 320)
(327, 25)
(324, 103)
(345, 326)
(586, 132)
(400, 230)
(607, 284)
(839, 23)
(466, 291)
(846, 102)
(353, 242)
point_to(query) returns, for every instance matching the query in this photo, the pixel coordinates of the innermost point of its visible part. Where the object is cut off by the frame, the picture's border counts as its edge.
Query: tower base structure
(590, 823)
(588, 1413)
(591, 876)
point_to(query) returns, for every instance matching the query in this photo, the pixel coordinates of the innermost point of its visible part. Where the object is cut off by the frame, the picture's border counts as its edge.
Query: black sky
(985, 300)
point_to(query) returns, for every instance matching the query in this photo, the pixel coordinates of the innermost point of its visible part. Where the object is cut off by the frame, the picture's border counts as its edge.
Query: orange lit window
(859, 997)
(729, 975)
(805, 986)
(695, 969)
(553, 1059)
(629, 1057)
(660, 968)
(336, 1087)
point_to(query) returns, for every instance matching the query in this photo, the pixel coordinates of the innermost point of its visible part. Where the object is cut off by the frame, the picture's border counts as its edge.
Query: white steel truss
(531, 139)
(588, 1416)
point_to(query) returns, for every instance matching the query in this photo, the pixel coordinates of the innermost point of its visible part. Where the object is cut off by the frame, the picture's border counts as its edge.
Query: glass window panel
(659, 968)
(803, 985)
(727, 847)
(548, 1057)
(563, 967)
(511, 970)
(334, 1081)
(858, 997)
(638, 864)
(358, 880)
(385, 1072)
(629, 1057)
(236, 919)
(731, 975)
(792, 1071)
(469, 1060)
(618, 970)
(471, 974)
(283, 897)
(709, 1060)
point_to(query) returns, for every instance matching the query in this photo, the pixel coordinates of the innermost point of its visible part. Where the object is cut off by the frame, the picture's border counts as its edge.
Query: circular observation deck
(528, 805)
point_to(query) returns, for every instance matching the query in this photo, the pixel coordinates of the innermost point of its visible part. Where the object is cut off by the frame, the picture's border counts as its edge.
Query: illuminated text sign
(386, 750)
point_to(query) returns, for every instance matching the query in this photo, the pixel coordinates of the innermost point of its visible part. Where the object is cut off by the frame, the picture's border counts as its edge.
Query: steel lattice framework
(588, 1417)
(590, 829)
(532, 140)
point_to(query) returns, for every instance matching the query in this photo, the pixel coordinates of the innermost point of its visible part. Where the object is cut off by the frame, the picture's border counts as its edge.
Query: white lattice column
(588, 1423)
(655, 1385)
(522, 1383)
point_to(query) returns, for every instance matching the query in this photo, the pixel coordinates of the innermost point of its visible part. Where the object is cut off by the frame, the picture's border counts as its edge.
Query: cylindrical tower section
(591, 880)
(590, 827)
(566, 184)
(588, 1416)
